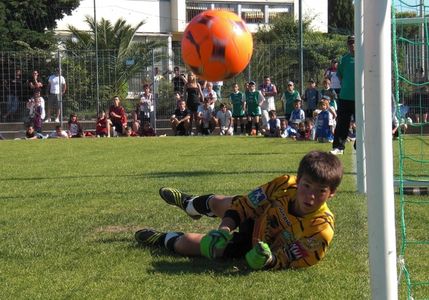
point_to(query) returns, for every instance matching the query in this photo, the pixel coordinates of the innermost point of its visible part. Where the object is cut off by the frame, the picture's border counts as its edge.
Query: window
(193, 9)
(279, 11)
(252, 13)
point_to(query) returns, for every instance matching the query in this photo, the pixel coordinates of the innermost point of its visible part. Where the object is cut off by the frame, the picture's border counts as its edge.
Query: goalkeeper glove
(215, 239)
(259, 256)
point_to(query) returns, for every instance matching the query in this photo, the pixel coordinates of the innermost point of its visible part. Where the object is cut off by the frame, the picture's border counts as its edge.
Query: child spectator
(297, 116)
(224, 120)
(237, 101)
(59, 133)
(147, 130)
(31, 134)
(311, 97)
(102, 127)
(303, 132)
(331, 74)
(145, 106)
(324, 123)
(286, 130)
(181, 119)
(273, 125)
(329, 92)
(282, 224)
(130, 132)
(206, 119)
(38, 112)
(253, 101)
(118, 116)
(75, 129)
(288, 99)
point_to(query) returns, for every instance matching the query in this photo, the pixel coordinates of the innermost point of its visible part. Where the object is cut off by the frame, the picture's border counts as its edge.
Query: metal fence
(117, 77)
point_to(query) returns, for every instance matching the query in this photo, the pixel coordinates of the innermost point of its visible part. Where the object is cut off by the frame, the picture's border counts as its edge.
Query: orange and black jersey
(295, 242)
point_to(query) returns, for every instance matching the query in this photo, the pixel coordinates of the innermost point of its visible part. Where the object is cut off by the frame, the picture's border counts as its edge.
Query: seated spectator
(180, 120)
(286, 130)
(118, 117)
(303, 132)
(31, 134)
(102, 127)
(147, 130)
(130, 132)
(224, 120)
(74, 127)
(206, 119)
(273, 125)
(59, 133)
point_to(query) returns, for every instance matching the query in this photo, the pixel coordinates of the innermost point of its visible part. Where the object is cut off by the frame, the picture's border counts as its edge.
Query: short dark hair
(322, 167)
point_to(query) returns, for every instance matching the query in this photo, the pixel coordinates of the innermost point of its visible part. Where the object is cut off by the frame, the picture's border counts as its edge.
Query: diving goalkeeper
(284, 223)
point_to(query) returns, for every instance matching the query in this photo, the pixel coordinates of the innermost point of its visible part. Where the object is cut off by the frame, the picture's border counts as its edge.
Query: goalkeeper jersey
(295, 242)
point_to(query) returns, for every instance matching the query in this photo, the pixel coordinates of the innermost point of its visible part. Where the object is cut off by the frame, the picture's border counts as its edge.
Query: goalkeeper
(284, 223)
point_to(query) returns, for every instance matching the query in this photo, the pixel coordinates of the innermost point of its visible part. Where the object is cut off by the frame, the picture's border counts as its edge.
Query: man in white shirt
(56, 86)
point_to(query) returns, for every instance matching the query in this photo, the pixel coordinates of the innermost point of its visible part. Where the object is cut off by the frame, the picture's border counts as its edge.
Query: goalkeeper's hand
(260, 256)
(214, 240)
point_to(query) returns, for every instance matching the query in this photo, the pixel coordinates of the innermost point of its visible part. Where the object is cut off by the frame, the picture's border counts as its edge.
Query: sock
(170, 239)
(257, 127)
(200, 206)
(235, 128)
(242, 128)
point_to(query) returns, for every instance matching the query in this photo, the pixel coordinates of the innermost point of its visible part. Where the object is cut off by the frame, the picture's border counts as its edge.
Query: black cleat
(150, 237)
(177, 198)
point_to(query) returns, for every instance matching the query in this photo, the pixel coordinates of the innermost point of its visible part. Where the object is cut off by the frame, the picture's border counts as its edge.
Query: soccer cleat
(337, 151)
(177, 198)
(150, 237)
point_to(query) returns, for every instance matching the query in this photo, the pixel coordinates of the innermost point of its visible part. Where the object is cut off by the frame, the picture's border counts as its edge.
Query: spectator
(224, 120)
(286, 130)
(146, 105)
(56, 87)
(328, 91)
(147, 130)
(194, 97)
(269, 91)
(273, 125)
(177, 98)
(237, 101)
(297, 116)
(209, 93)
(288, 99)
(346, 101)
(118, 117)
(180, 120)
(38, 112)
(14, 91)
(253, 101)
(331, 74)
(157, 77)
(59, 133)
(217, 87)
(31, 134)
(75, 128)
(179, 81)
(31, 104)
(324, 123)
(206, 119)
(311, 97)
(35, 83)
(303, 132)
(103, 125)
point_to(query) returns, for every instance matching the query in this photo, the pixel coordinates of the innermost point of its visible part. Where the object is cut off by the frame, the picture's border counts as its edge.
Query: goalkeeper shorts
(241, 241)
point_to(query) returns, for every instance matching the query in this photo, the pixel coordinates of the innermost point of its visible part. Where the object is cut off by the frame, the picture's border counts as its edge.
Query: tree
(119, 55)
(26, 24)
(341, 16)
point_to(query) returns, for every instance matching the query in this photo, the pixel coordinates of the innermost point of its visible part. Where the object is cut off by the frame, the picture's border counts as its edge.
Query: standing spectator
(346, 101)
(194, 97)
(38, 112)
(31, 105)
(328, 91)
(145, 106)
(14, 90)
(269, 91)
(181, 120)
(217, 87)
(179, 81)
(118, 117)
(56, 86)
(157, 77)
(253, 101)
(311, 97)
(224, 120)
(297, 116)
(324, 123)
(35, 83)
(288, 99)
(209, 93)
(331, 74)
(273, 125)
(102, 127)
(237, 101)
(75, 128)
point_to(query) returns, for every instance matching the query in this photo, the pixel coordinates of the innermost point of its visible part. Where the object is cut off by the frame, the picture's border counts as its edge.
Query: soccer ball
(217, 45)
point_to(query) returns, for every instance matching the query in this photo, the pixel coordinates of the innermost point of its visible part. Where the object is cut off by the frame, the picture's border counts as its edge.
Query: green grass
(69, 209)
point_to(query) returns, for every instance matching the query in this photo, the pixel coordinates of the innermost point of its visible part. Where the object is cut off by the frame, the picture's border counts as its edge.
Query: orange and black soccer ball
(217, 45)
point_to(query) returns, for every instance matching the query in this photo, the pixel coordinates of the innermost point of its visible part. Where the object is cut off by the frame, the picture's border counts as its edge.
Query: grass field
(69, 209)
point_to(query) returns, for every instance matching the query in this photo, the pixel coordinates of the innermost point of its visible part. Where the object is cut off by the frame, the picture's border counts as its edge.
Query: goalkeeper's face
(310, 195)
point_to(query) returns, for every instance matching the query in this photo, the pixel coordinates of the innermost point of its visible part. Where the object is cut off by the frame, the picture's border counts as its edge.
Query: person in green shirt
(288, 99)
(346, 101)
(253, 101)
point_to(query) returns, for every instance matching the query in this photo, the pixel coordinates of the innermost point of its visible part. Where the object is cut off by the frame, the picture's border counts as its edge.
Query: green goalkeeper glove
(215, 239)
(259, 256)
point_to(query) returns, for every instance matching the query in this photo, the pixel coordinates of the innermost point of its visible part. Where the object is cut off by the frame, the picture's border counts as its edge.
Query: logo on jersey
(257, 196)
